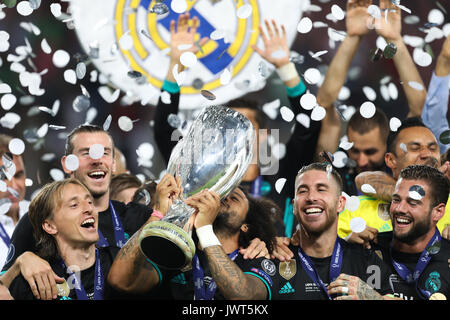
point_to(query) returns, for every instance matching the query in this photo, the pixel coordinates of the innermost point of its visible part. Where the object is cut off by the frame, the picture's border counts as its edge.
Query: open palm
(358, 18)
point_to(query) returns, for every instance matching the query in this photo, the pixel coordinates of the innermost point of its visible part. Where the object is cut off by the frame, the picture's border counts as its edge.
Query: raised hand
(389, 28)
(357, 19)
(182, 37)
(167, 190)
(276, 50)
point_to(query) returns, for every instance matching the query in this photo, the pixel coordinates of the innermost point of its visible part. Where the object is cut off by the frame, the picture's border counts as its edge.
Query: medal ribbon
(425, 257)
(98, 280)
(335, 266)
(4, 235)
(256, 187)
(119, 233)
(200, 292)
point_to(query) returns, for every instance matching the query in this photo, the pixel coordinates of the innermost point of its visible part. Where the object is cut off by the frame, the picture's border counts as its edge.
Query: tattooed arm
(382, 182)
(352, 288)
(131, 272)
(231, 281)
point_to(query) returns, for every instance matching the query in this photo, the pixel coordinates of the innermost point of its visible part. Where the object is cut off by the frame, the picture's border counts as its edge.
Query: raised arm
(382, 182)
(406, 68)
(131, 271)
(356, 23)
(436, 104)
(181, 36)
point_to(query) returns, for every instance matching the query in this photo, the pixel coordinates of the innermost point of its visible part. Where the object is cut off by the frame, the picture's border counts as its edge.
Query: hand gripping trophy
(214, 154)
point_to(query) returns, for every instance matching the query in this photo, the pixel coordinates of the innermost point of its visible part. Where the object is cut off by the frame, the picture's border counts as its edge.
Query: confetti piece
(357, 224)
(244, 11)
(16, 146)
(96, 151)
(279, 184)
(71, 162)
(305, 25)
(367, 110)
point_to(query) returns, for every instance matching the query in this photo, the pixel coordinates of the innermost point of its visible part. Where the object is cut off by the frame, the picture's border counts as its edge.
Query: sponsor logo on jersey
(287, 288)
(180, 279)
(383, 211)
(433, 282)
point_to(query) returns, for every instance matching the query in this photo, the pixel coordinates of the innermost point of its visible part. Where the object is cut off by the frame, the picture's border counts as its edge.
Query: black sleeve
(162, 129)
(20, 289)
(22, 240)
(135, 215)
(378, 271)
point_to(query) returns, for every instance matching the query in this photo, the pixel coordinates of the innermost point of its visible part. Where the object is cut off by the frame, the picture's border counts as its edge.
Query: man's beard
(419, 229)
(227, 223)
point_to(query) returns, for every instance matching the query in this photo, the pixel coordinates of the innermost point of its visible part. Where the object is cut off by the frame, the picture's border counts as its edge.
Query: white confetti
(415, 195)
(108, 95)
(305, 25)
(422, 58)
(96, 151)
(179, 6)
(5, 88)
(56, 174)
(318, 113)
(416, 85)
(436, 16)
(344, 93)
(374, 11)
(244, 11)
(60, 58)
(107, 123)
(125, 123)
(8, 101)
(279, 150)
(225, 77)
(287, 114)
(24, 8)
(370, 93)
(303, 119)
(70, 76)
(358, 224)
(16, 146)
(367, 188)
(188, 59)
(394, 124)
(308, 101)
(367, 109)
(337, 12)
(339, 159)
(126, 41)
(45, 46)
(55, 9)
(346, 145)
(279, 184)
(393, 91)
(352, 203)
(403, 147)
(312, 76)
(72, 163)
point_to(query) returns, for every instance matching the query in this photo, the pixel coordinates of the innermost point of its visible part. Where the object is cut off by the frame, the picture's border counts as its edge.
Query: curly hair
(259, 220)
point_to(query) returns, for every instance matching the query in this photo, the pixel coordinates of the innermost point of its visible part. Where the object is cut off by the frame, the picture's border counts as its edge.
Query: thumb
(58, 279)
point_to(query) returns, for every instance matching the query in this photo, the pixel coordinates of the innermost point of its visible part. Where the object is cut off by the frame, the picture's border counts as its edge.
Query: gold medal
(63, 289)
(438, 296)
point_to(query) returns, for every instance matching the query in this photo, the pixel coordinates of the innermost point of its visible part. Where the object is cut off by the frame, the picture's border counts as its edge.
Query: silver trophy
(214, 154)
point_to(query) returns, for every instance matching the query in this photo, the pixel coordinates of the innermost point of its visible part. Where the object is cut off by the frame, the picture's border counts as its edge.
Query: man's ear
(341, 203)
(49, 227)
(438, 212)
(390, 160)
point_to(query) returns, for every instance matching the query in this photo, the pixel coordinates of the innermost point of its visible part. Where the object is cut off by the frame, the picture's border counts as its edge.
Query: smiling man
(93, 148)
(325, 266)
(415, 250)
(65, 223)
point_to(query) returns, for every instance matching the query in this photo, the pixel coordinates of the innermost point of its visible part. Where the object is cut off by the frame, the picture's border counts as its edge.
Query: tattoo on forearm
(230, 279)
(365, 292)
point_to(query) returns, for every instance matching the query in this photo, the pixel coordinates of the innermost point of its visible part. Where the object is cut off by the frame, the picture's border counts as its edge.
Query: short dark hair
(322, 166)
(68, 148)
(245, 103)
(260, 224)
(407, 123)
(121, 182)
(4, 143)
(363, 125)
(437, 181)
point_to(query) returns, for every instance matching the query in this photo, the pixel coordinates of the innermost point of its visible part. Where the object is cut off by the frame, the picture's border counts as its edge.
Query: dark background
(364, 73)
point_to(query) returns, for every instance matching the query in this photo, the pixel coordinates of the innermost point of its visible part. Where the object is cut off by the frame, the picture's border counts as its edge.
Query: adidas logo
(180, 279)
(385, 227)
(287, 288)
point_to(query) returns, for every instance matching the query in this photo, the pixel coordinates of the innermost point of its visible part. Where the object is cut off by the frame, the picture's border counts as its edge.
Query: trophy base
(167, 245)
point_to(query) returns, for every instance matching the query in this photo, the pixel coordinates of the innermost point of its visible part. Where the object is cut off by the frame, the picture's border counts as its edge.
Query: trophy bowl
(214, 154)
